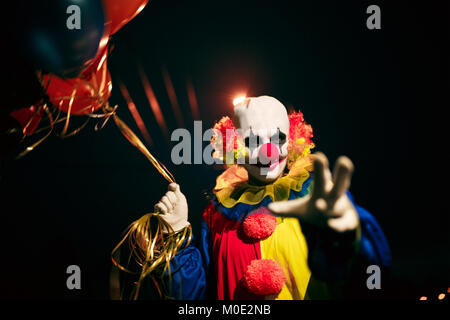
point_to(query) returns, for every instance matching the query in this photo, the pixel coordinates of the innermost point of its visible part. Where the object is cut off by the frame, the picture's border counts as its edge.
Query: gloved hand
(328, 206)
(173, 208)
(335, 222)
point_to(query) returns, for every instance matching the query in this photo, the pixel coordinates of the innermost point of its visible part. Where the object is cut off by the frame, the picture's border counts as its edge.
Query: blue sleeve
(206, 250)
(190, 275)
(205, 244)
(373, 246)
(187, 280)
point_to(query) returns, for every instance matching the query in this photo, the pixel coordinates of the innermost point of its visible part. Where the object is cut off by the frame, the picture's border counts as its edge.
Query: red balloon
(92, 69)
(90, 91)
(120, 12)
(28, 118)
(101, 54)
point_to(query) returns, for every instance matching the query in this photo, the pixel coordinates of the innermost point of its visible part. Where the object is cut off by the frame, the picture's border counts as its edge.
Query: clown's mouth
(271, 165)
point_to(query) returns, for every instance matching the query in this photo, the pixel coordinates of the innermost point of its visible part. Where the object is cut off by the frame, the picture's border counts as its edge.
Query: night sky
(377, 96)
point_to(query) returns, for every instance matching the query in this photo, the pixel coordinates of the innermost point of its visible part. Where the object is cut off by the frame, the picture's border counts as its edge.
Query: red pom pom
(259, 224)
(264, 277)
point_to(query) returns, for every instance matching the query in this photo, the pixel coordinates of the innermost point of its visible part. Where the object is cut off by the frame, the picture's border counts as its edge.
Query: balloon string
(97, 96)
(34, 145)
(108, 112)
(57, 119)
(135, 141)
(72, 98)
(151, 251)
(74, 132)
(33, 116)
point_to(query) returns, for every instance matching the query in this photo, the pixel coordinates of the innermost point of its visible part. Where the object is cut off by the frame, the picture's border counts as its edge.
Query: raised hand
(328, 205)
(173, 208)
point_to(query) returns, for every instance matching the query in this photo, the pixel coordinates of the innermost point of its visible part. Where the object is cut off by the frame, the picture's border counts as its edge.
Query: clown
(280, 224)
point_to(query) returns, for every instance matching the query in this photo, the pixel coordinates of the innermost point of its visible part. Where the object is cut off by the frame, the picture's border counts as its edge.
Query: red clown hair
(227, 129)
(300, 134)
(226, 139)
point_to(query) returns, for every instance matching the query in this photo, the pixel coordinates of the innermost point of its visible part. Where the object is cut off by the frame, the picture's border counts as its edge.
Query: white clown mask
(263, 123)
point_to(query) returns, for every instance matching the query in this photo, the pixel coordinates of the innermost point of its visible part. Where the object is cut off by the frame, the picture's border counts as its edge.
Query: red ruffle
(264, 277)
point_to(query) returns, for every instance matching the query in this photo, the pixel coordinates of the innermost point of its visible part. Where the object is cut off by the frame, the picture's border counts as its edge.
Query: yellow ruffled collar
(232, 185)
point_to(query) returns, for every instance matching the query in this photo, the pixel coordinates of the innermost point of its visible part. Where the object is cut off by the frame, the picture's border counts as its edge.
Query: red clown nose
(268, 153)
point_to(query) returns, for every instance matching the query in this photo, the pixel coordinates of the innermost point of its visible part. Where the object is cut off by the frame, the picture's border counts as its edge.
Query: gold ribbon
(135, 141)
(151, 250)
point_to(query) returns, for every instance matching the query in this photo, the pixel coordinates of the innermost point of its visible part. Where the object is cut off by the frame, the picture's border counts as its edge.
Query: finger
(173, 186)
(176, 189)
(161, 208)
(340, 206)
(167, 203)
(172, 197)
(328, 180)
(341, 177)
(321, 205)
(320, 163)
(346, 222)
(292, 208)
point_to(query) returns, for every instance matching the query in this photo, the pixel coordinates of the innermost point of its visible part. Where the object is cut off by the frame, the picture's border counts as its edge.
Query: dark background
(377, 96)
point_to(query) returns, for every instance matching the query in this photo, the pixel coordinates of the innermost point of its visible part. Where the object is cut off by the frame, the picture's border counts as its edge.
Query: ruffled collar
(232, 186)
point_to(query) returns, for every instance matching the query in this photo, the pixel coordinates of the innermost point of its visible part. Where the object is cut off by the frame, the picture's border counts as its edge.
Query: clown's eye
(252, 141)
(278, 138)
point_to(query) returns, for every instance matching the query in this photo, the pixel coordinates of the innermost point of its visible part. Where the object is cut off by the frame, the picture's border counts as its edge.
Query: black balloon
(46, 41)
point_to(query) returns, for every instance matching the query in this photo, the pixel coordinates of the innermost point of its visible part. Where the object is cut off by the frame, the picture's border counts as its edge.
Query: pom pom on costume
(259, 224)
(264, 277)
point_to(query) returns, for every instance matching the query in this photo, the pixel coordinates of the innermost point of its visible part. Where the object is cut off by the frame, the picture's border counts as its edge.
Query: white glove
(173, 208)
(328, 205)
